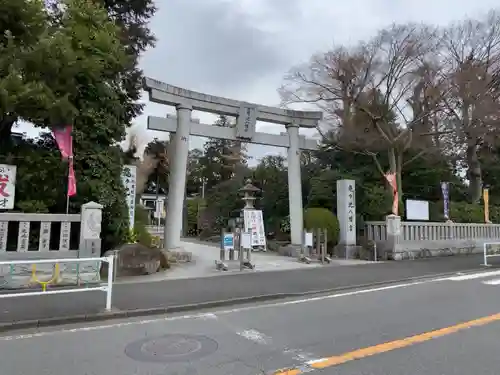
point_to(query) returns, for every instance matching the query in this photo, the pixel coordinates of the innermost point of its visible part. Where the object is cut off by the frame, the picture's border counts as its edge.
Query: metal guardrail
(107, 287)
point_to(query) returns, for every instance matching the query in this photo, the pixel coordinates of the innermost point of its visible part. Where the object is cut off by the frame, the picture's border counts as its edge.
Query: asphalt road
(446, 327)
(168, 293)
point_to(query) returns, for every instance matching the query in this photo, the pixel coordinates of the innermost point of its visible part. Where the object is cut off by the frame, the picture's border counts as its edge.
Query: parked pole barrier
(493, 254)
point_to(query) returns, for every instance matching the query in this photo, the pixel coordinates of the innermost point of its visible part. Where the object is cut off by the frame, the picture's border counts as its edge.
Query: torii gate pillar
(177, 178)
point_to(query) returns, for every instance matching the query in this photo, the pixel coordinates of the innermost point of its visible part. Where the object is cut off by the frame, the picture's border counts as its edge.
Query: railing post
(109, 291)
(90, 230)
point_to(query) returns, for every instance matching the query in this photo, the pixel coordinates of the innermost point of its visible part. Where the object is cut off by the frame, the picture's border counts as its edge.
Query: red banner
(71, 179)
(391, 179)
(64, 140)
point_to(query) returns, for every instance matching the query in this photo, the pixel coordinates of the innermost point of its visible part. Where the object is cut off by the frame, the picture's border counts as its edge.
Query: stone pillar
(393, 227)
(346, 212)
(177, 179)
(295, 186)
(90, 230)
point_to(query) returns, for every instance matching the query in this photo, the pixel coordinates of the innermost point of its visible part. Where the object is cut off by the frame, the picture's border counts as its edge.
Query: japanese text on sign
(7, 186)
(351, 207)
(24, 236)
(4, 226)
(129, 180)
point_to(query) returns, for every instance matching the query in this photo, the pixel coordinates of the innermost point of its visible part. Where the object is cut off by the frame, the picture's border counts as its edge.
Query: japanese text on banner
(7, 186)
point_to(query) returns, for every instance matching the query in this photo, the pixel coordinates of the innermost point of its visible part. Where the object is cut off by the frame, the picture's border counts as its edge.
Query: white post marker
(494, 253)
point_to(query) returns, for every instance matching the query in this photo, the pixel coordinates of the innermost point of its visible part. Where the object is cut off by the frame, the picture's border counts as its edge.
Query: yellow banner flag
(486, 201)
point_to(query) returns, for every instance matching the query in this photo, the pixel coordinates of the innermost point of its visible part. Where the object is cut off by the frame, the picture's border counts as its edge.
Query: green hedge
(322, 218)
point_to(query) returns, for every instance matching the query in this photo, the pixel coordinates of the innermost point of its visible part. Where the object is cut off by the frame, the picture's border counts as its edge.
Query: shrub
(322, 218)
(141, 233)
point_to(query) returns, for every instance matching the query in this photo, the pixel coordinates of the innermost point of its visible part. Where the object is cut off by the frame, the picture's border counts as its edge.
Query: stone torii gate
(247, 114)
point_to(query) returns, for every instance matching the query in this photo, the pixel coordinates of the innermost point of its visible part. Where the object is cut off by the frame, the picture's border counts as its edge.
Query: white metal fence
(105, 287)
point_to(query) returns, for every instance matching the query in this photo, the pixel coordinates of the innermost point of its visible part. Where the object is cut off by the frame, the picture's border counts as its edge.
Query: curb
(121, 314)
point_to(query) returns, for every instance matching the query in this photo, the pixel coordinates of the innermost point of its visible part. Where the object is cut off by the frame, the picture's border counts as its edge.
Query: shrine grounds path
(169, 296)
(448, 325)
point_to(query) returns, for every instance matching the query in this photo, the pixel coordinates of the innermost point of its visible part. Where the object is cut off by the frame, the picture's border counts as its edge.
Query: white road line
(262, 339)
(215, 314)
(474, 276)
(492, 282)
(255, 336)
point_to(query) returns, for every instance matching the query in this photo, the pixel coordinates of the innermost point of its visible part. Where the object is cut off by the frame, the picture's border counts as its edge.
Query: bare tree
(471, 56)
(378, 96)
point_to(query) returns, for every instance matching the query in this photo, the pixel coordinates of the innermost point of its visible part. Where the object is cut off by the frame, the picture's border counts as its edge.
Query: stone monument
(346, 214)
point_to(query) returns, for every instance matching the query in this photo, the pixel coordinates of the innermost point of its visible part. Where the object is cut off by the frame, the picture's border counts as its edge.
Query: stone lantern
(249, 198)
(249, 192)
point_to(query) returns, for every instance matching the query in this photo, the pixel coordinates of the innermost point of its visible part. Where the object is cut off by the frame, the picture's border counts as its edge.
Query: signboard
(129, 180)
(308, 239)
(346, 211)
(246, 240)
(246, 122)
(228, 241)
(417, 210)
(7, 186)
(254, 224)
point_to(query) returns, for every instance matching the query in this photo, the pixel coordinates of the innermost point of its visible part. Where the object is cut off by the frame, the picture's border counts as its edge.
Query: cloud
(242, 48)
(211, 45)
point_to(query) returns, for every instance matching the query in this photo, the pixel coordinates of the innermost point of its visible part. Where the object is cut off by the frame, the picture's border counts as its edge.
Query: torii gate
(247, 114)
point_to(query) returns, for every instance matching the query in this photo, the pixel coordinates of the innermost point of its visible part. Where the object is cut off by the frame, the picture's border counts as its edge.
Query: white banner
(129, 180)
(7, 186)
(254, 224)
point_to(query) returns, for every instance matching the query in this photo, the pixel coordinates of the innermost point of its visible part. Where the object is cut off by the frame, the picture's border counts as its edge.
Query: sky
(241, 49)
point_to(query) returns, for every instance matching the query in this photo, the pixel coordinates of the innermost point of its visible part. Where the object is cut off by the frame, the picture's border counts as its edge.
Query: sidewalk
(246, 286)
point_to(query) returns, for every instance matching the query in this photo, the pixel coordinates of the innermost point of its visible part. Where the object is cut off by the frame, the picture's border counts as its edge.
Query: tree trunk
(399, 181)
(6, 125)
(474, 174)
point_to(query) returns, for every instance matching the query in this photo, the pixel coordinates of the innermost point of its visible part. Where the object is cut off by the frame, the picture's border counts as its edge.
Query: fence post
(109, 291)
(90, 230)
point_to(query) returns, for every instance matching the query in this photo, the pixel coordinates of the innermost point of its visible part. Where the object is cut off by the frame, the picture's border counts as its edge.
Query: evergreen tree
(223, 159)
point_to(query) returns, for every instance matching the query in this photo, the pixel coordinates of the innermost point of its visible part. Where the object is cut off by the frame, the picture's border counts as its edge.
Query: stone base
(290, 250)
(434, 253)
(178, 255)
(347, 251)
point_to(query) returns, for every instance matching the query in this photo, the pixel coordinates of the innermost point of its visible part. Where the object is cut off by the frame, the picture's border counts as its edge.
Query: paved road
(194, 291)
(449, 326)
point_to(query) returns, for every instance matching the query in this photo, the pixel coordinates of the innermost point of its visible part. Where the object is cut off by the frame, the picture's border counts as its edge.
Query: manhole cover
(171, 348)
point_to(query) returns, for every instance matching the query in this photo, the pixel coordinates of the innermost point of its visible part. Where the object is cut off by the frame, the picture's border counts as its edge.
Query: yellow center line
(388, 346)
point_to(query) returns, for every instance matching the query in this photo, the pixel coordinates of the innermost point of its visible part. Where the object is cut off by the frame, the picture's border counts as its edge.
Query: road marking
(386, 347)
(492, 282)
(216, 313)
(474, 276)
(255, 336)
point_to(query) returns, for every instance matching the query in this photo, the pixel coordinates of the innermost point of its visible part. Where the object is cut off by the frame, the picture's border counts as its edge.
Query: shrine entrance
(247, 115)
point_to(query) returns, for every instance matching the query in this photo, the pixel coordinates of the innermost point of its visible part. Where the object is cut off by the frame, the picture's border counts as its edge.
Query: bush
(322, 218)
(141, 221)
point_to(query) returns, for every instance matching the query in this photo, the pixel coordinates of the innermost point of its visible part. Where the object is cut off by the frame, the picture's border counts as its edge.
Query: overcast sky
(242, 48)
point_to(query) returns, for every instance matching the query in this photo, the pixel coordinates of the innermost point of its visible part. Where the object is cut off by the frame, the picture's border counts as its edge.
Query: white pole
(109, 289)
(485, 258)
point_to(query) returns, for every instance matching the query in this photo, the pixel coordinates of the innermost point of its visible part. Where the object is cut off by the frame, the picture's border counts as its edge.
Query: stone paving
(203, 264)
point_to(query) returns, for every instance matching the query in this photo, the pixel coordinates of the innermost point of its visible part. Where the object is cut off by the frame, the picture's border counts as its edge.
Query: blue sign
(228, 241)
